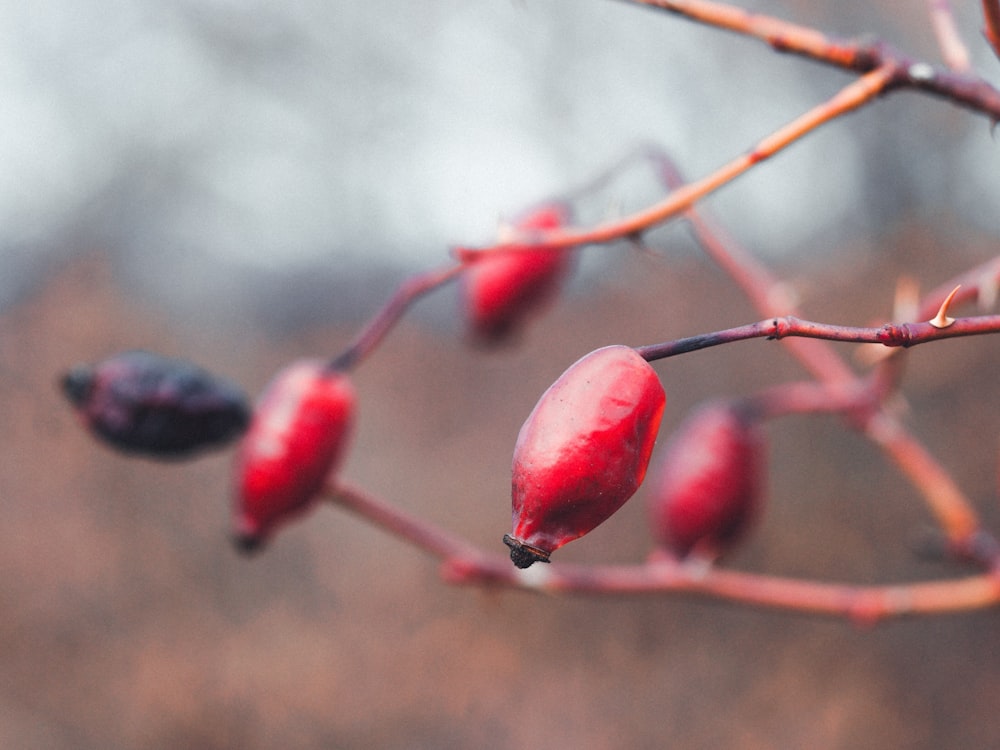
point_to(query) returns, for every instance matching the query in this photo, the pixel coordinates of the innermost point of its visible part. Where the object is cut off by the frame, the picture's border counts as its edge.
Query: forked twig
(851, 97)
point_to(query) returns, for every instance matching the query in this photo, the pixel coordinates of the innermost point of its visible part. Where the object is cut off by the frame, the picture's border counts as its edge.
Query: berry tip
(77, 384)
(247, 544)
(524, 555)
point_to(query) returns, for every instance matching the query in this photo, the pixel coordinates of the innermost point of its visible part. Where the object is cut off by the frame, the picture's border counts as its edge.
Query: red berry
(583, 451)
(707, 485)
(503, 289)
(295, 442)
(145, 403)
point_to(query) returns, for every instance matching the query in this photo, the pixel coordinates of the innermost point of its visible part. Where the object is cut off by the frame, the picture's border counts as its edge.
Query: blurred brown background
(241, 184)
(128, 621)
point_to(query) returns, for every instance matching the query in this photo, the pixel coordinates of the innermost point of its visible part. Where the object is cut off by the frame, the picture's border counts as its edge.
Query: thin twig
(946, 501)
(991, 15)
(422, 534)
(961, 88)
(380, 325)
(851, 97)
(862, 395)
(781, 35)
(891, 334)
(979, 283)
(953, 49)
(942, 495)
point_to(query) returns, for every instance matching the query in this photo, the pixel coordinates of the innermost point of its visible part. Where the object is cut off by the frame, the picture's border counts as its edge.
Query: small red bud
(503, 289)
(583, 451)
(144, 403)
(707, 485)
(295, 442)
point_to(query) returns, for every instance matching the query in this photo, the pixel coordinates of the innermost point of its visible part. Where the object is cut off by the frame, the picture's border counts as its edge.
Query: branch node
(891, 334)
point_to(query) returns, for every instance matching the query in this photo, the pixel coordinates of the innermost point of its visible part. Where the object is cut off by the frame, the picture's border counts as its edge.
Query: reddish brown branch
(953, 49)
(783, 36)
(380, 325)
(883, 68)
(959, 86)
(979, 283)
(991, 15)
(951, 508)
(949, 505)
(422, 534)
(859, 396)
(851, 97)
(840, 390)
(891, 334)
(464, 564)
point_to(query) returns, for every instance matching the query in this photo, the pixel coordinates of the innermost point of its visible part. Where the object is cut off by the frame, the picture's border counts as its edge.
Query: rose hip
(144, 403)
(707, 485)
(506, 287)
(583, 451)
(295, 442)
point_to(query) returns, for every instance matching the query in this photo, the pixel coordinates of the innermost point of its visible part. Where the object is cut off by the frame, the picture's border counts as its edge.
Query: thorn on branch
(941, 320)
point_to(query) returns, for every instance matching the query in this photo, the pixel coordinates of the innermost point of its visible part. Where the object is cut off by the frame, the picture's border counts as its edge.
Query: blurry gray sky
(215, 147)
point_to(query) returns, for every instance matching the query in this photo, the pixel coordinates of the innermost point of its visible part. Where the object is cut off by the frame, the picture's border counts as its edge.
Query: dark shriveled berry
(583, 451)
(144, 403)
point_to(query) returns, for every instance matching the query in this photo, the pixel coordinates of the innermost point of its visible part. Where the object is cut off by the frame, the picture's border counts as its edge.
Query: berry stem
(944, 498)
(891, 334)
(424, 535)
(406, 294)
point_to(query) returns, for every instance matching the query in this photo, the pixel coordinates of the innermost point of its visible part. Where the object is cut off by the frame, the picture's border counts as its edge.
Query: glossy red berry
(295, 442)
(144, 403)
(505, 288)
(707, 486)
(583, 451)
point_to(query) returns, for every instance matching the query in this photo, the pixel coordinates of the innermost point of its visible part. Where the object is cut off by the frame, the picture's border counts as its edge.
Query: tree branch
(851, 97)
(465, 565)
